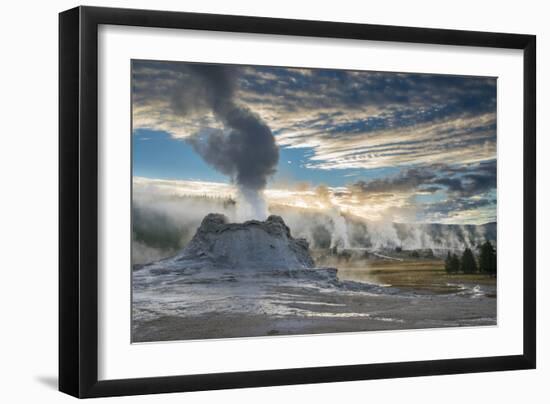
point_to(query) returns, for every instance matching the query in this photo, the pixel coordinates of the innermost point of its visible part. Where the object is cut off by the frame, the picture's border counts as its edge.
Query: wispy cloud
(392, 200)
(349, 119)
(438, 130)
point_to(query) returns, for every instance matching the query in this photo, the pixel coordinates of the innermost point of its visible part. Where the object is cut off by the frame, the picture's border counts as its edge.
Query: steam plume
(245, 149)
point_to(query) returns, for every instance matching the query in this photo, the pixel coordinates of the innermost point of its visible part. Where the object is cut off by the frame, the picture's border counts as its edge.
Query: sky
(405, 147)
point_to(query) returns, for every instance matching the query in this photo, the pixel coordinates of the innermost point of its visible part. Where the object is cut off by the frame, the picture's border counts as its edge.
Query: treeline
(486, 261)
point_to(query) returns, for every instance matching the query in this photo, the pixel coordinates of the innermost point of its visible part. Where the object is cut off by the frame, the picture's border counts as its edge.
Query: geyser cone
(250, 245)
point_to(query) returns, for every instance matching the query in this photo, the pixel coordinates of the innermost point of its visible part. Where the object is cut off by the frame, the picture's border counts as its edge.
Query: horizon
(216, 190)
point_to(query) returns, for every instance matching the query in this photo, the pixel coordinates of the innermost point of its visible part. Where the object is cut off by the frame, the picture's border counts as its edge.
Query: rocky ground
(255, 279)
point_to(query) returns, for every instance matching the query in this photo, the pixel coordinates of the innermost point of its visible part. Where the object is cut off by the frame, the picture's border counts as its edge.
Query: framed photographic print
(250, 201)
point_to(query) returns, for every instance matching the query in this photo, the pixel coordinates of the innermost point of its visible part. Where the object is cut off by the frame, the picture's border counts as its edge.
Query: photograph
(245, 202)
(270, 201)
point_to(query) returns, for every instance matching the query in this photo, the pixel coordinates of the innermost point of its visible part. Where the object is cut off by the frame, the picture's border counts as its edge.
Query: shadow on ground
(48, 381)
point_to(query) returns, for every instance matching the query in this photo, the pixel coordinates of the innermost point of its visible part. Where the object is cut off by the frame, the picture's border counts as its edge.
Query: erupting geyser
(245, 148)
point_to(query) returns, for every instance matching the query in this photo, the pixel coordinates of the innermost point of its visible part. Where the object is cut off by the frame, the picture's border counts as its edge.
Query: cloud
(448, 192)
(438, 130)
(460, 210)
(455, 140)
(468, 180)
(462, 181)
(349, 119)
(406, 180)
(412, 195)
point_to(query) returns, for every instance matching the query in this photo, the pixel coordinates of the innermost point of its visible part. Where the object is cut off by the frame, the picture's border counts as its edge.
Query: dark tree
(468, 262)
(452, 263)
(455, 263)
(487, 258)
(448, 262)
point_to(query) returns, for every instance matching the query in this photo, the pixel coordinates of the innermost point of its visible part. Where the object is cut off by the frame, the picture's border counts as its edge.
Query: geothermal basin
(254, 279)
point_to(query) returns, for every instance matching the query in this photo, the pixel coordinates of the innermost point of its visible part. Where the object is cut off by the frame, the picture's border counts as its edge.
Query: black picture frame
(78, 201)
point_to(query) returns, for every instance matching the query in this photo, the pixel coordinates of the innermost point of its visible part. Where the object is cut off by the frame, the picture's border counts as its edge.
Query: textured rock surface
(254, 279)
(252, 244)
